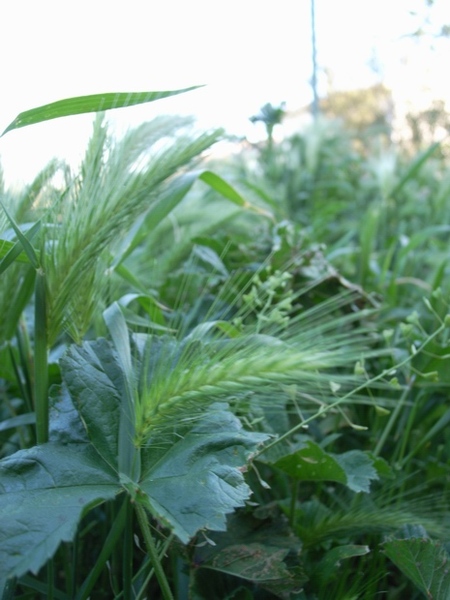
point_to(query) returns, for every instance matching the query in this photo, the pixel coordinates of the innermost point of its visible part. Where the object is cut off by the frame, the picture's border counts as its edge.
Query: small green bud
(394, 383)
(406, 329)
(359, 368)
(413, 318)
(388, 334)
(335, 387)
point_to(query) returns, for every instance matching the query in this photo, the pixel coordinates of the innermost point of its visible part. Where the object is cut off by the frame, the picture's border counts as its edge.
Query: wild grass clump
(216, 362)
(118, 182)
(270, 398)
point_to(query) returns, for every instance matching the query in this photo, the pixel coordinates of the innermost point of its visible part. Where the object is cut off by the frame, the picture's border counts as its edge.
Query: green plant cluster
(224, 380)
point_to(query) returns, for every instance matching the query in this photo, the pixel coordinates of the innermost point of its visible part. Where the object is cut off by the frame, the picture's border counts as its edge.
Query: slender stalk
(344, 398)
(113, 537)
(50, 579)
(393, 417)
(41, 359)
(69, 571)
(294, 493)
(127, 557)
(9, 589)
(26, 360)
(141, 593)
(153, 552)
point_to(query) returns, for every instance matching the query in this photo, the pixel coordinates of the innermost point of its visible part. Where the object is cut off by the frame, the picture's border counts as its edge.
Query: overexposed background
(246, 52)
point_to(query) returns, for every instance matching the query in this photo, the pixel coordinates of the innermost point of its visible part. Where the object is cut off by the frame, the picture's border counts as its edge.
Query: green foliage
(310, 463)
(45, 491)
(86, 104)
(255, 405)
(423, 561)
(80, 466)
(100, 206)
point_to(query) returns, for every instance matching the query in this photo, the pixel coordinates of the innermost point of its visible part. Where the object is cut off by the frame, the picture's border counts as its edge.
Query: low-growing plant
(197, 410)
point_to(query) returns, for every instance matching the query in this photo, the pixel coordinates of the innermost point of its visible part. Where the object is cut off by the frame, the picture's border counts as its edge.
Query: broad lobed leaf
(199, 480)
(425, 562)
(261, 550)
(95, 382)
(310, 462)
(44, 492)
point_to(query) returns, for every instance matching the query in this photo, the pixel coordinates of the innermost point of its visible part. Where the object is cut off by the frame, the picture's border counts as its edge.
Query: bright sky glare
(247, 52)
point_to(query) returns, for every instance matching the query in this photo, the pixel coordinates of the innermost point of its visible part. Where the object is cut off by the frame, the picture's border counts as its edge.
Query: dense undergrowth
(225, 379)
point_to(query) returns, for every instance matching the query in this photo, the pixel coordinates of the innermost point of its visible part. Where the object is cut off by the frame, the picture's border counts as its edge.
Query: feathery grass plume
(25, 207)
(316, 351)
(118, 182)
(374, 515)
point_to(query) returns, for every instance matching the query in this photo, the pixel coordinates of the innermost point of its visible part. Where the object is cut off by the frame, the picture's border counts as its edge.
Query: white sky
(248, 52)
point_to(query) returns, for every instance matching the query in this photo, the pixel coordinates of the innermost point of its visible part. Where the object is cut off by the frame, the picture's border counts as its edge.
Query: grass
(313, 308)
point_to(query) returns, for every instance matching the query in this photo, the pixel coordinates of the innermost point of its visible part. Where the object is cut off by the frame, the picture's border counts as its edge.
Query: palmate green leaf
(425, 562)
(190, 484)
(96, 383)
(66, 426)
(87, 104)
(355, 468)
(253, 549)
(44, 492)
(257, 562)
(199, 480)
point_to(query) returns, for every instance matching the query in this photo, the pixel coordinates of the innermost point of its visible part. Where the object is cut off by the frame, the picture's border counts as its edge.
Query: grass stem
(153, 552)
(41, 360)
(393, 417)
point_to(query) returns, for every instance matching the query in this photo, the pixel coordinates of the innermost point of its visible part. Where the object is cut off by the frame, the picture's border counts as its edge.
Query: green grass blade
(230, 193)
(6, 247)
(18, 421)
(414, 168)
(38, 586)
(111, 540)
(20, 298)
(13, 250)
(153, 552)
(24, 241)
(160, 209)
(86, 104)
(128, 276)
(9, 589)
(439, 426)
(172, 198)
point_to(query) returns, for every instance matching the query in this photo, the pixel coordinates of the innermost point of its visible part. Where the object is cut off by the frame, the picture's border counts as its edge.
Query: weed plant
(244, 406)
